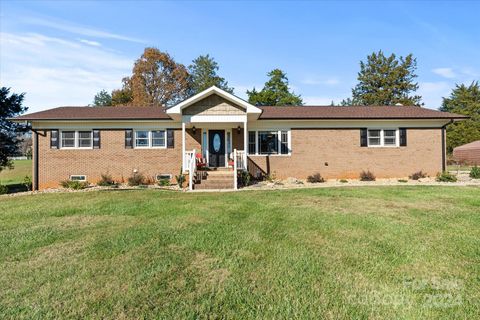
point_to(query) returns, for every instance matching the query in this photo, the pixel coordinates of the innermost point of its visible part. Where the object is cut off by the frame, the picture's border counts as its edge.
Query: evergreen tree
(386, 81)
(203, 75)
(10, 106)
(276, 92)
(463, 100)
(102, 99)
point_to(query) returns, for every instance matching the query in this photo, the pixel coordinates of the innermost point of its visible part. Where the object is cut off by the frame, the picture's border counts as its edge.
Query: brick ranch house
(228, 135)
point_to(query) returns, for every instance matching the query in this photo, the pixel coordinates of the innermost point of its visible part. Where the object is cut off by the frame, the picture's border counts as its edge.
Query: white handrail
(235, 169)
(191, 170)
(188, 157)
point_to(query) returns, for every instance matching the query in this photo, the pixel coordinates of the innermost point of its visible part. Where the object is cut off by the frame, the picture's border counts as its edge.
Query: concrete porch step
(214, 185)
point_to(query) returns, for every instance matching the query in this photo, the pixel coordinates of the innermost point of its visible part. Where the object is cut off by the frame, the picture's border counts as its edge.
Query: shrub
(136, 179)
(3, 189)
(446, 176)
(418, 175)
(403, 180)
(75, 185)
(475, 172)
(164, 182)
(180, 179)
(27, 182)
(344, 181)
(244, 178)
(367, 176)
(106, 181)
(315, 178)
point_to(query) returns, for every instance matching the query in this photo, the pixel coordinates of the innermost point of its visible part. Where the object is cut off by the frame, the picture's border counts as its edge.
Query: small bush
(446, 176)
(164, 182)
(271, 177)
(136, 179)
(315, 178)
(367, 176)
(418, 175)
(27, 182)
(403, 180)
(244, 178)
(75, 185)
(180, 179)
(344, 181)
(3, 189)
(475, 172)
(106, 181)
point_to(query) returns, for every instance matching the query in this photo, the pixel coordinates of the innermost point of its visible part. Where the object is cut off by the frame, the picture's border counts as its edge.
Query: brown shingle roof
(98, 113)
(354, 112)
(297, 112)
(472, 145)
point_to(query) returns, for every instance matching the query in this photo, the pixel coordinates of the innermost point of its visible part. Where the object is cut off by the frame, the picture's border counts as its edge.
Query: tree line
(158, 80)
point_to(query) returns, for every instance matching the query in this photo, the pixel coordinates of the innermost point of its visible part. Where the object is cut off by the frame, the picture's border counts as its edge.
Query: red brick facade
(334, 153)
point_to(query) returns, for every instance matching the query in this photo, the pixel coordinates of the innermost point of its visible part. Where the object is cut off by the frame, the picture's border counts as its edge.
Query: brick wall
(56, 165)
(336, 153)
(333, 153)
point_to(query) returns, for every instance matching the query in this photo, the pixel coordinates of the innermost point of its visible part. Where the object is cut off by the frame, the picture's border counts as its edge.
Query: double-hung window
(76, 139)
(382, 137)
(150, 139)
(270, 142)
(68, 139)
(158, 138)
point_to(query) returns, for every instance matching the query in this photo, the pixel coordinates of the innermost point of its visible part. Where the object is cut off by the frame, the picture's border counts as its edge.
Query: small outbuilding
(468, 153)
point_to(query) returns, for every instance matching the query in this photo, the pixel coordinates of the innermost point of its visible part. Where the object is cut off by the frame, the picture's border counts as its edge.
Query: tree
(124, 96)
(463, 100)
(10, 106)
(157, 80)
(386, 81)
(102, 99)
(276, 92)
(203, 75)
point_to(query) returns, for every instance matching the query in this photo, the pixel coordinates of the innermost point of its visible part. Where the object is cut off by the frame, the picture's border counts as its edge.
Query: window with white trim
(382, 137)
(271, 142)
(76, 139)
(150, 139)
(77, 177)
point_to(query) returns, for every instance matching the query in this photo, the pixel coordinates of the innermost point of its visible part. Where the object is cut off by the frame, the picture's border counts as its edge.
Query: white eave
(177, 109)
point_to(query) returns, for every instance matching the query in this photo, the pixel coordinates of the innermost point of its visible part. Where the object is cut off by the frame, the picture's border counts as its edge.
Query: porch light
(194, 129)
(238, 129)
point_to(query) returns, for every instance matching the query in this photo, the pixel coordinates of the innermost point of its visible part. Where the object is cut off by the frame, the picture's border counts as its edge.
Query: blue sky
(63, 52)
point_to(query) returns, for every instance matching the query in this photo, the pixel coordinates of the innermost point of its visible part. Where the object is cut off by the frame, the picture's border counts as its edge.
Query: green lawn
(369, 252)
(14, 177)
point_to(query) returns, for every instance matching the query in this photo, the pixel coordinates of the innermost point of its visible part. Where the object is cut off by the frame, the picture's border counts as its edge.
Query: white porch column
(245, 144)
(183, 147)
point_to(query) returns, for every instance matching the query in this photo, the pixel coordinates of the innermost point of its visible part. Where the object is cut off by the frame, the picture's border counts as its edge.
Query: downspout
(444, 149)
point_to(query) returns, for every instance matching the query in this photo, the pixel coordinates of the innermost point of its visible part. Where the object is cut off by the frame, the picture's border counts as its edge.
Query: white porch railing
(188, 157)
(239, 163)
(192, 168)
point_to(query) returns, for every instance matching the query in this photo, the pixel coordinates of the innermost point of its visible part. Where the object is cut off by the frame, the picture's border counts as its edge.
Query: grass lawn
(14, 177)
(370, 252)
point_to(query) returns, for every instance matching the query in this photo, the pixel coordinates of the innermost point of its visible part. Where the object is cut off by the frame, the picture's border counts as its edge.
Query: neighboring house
(468, 153)
(298, 141)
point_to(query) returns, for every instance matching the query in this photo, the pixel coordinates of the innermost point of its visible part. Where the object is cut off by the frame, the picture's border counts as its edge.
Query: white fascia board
(261, 124)
(177, 109)
(110, 124)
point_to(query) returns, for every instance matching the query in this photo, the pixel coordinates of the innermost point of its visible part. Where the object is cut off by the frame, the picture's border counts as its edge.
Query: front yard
(379, 252)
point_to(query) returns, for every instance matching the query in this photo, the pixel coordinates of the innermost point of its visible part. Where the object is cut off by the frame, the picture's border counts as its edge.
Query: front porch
(214, 152)
(214, 132)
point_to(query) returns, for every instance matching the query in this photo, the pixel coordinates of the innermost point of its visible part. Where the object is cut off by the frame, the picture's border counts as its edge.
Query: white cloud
(90, 43)
(54, 71)
(432, 92)
(314, 81)
(77, 29)
(445, 72)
